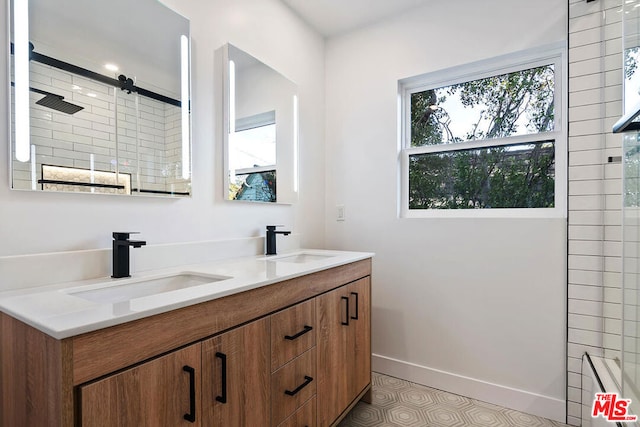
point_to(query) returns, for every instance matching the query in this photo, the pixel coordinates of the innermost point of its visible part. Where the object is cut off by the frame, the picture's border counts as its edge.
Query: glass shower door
(631, 270)
(631, 210)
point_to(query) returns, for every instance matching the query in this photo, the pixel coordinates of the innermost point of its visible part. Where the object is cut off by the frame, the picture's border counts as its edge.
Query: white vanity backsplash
(25, 271)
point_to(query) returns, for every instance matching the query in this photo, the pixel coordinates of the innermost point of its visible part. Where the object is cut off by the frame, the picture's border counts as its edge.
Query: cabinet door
(162, 392)
(331, 343)
(235, 375)
(344, 348)
(359, 364)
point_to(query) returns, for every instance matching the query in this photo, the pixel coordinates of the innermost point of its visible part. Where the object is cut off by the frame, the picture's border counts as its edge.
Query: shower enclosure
(630, 366)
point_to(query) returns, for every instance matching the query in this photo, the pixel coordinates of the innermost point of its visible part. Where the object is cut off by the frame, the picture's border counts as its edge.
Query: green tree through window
(519, 175)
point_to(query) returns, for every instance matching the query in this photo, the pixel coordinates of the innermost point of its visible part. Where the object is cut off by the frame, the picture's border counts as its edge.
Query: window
(252, 159)
(485, 139)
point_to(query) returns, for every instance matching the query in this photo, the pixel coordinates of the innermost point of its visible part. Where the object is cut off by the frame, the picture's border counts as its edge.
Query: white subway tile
(613, 186)
(612, 249)
(586, 203)
(585, 37)
(613, 264)
(580, 321)
(589, 172)
(586, 187)
(613, 232)
(587, 127)
(578, 350)
(581, 20)
(611, 341)
(613, 140)
(612, 171)
(586, 82)
(588, 308)
(586, 232)
(611, 94)
(612, 310)
(584, 292)
(586, 112)
(612, 218)
(586, 97)
(586, 142)
(584, 277)
(586, 247)
(587, 157)
(590, 338)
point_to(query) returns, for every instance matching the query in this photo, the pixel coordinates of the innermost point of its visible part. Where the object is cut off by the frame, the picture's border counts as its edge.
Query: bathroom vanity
(282, 341)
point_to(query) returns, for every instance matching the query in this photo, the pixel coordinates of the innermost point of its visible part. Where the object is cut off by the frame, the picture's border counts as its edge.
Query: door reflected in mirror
(262, 125)
(100, 97)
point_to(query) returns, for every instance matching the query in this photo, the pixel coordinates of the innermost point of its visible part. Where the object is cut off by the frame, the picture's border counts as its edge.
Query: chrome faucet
(121, 245)
(271, 238)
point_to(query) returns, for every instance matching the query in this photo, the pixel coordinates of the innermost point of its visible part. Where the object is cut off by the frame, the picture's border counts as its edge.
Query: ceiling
(334, 17)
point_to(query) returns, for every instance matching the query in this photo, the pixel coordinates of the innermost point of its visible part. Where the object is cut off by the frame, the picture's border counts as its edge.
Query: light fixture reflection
(232, 96)
(232, 117)
(111, 67)
(21, 76)
(184, 104)
(33, 167)
(295, 143)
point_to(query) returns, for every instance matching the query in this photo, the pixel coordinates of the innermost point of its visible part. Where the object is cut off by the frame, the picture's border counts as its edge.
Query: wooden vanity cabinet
(296, 353)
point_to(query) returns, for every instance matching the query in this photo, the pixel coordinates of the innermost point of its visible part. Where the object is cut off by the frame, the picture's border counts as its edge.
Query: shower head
(56, 102)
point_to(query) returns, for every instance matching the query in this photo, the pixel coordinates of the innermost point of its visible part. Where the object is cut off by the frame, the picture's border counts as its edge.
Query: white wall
(475, 306)
(39, 222)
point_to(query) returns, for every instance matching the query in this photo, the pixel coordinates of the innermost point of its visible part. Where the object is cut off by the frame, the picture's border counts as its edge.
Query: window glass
(515, 176)
(254, 147)
(517, 103)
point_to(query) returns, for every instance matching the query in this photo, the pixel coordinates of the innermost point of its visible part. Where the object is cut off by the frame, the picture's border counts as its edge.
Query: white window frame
(554, 54)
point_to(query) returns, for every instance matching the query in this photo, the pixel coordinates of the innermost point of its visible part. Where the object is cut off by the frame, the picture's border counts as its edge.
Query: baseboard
(520, 400)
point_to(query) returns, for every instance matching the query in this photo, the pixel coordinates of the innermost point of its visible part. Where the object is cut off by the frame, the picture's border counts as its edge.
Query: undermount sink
(302, 258)
(114, 291)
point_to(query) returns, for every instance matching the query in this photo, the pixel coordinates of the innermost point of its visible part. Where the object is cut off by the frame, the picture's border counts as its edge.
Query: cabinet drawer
(292, 385)
(304, 417)
(293, 331)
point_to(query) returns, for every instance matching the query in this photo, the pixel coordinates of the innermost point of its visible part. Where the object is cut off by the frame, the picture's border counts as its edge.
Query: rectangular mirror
(100, 97)
(261, 131)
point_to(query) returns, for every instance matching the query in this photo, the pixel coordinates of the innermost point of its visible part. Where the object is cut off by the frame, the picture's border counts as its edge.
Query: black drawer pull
(357, 310)
(223, 371)
(191, 416)
(306, 329)
(307, 381)
(345, 323)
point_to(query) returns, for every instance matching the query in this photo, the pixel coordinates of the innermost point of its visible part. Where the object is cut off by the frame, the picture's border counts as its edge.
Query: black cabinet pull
(307, 381)
(346, 299)
(306, 329)
(357, 310)
(191, 416)
(223, 370)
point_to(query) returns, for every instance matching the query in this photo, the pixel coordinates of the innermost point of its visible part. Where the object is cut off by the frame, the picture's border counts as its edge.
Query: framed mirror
(261, 131)
(100, 97)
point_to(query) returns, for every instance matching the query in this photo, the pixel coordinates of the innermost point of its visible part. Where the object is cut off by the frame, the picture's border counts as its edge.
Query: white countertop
(56, 311)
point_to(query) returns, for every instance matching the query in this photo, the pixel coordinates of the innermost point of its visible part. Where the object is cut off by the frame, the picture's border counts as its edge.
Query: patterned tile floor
(401, 403)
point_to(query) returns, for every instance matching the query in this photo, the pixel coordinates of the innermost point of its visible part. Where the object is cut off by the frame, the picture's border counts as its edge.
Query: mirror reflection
(100, 97)
(261, 142)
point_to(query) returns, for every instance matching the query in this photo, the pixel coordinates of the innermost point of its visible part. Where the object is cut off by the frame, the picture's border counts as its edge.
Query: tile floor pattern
(402, 403)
